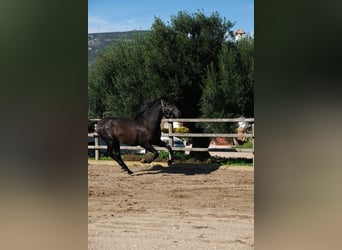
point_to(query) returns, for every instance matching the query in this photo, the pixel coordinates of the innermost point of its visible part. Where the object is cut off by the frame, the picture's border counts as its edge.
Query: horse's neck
(153, 117)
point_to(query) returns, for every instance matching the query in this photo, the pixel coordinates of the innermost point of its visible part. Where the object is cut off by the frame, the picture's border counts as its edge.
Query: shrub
(163, 155)
(177, 130)
(247, 144)
(181, 130)
(178, 156)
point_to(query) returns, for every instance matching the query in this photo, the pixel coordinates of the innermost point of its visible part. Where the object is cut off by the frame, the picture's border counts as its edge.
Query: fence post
(96, 145)
(170, 137)
(253, 141)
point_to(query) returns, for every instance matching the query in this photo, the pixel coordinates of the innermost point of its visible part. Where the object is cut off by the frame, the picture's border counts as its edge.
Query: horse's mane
(146, 106)
(91, 126)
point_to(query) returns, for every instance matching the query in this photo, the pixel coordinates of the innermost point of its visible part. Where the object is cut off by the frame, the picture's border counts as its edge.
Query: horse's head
(169, 110)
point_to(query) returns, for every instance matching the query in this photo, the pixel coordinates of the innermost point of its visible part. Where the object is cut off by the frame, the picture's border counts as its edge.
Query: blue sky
(125, 15)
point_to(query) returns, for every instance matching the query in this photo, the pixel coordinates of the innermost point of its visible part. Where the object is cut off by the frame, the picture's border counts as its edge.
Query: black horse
(142, 129)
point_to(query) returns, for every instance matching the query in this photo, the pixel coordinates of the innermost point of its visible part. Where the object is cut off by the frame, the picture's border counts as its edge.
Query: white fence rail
(236, 151)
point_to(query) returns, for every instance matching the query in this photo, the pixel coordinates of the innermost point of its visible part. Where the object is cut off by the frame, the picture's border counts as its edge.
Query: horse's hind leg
(114, 152)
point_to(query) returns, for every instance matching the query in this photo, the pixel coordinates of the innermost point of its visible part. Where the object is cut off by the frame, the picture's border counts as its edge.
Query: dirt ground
(185, 206)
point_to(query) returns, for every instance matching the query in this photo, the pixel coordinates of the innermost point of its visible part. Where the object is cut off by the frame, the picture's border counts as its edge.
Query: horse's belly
(128, 141)
(126, 136)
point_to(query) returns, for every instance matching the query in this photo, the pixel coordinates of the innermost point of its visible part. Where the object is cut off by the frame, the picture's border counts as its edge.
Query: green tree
(119, 80)
(188, 45)
(229, 87)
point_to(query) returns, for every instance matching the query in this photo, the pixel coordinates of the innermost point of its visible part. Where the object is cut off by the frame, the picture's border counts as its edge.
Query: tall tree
(171, 60)
(229, 88)
(189, 44)
(119, 80)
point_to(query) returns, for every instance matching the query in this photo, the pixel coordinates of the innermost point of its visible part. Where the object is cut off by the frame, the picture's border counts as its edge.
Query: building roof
(239, 31)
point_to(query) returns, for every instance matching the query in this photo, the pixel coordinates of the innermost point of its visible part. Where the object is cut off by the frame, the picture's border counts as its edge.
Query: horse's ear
(164, 98)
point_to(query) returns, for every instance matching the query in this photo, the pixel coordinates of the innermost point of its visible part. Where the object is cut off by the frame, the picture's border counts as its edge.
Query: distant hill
(98, 41)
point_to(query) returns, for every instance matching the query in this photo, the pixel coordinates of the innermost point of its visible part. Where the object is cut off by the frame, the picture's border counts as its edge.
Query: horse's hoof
(145, 161)
(129, 172)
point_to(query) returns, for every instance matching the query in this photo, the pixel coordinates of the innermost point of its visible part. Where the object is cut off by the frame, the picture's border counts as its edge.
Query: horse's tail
(91, 126)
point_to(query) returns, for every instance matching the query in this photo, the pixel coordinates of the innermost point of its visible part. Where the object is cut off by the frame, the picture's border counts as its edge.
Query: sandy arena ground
(185, 206)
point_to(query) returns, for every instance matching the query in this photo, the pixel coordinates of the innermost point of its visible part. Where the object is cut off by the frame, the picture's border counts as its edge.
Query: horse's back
(122, 129)
(115, 122)
(105, 120)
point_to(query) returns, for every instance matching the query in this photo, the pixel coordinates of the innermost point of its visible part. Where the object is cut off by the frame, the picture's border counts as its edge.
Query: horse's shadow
(179, 168)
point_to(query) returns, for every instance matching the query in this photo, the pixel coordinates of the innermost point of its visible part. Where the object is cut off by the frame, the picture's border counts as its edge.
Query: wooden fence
(237, 152)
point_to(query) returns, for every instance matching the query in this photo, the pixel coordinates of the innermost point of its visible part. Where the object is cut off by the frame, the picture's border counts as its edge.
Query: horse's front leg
(165, 145)
(170, 160)
(151, 149)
